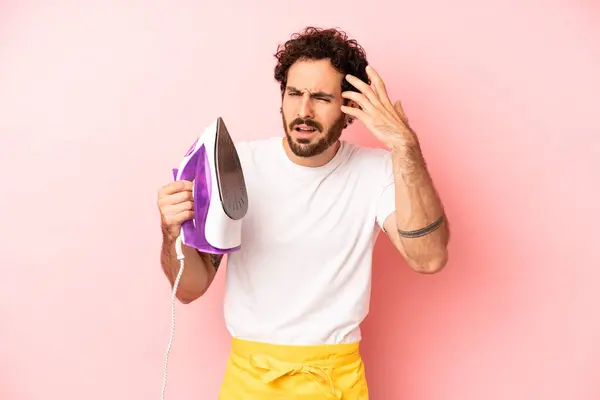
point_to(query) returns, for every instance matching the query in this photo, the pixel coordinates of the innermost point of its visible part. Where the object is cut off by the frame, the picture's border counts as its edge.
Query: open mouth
(305, 129)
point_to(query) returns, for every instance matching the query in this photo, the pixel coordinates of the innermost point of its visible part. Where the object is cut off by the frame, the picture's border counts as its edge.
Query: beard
(310, 147)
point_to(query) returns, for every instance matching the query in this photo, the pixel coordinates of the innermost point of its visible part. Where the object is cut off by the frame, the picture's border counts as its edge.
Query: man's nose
(305, 110)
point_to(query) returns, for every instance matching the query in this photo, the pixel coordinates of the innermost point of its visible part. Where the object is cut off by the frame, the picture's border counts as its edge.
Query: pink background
(99, 100)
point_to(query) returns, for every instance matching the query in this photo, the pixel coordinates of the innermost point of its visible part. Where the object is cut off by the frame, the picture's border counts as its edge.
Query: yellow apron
(261, 371)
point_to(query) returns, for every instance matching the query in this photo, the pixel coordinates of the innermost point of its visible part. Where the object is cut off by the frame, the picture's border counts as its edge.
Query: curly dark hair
(346, 55)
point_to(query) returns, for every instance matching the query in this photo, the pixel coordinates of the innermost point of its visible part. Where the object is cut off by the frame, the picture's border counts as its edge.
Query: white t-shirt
(303, 274)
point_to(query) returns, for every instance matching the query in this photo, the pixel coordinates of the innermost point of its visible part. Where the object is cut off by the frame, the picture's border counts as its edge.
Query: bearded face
(311, 107)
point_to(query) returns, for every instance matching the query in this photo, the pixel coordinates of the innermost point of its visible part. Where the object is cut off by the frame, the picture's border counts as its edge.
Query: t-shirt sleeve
(386, 202)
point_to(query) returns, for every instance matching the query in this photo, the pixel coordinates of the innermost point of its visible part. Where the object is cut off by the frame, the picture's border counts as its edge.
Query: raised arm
(418, 227)
(176, 205)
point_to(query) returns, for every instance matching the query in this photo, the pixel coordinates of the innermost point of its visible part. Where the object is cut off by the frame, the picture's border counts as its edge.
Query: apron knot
(272, 369)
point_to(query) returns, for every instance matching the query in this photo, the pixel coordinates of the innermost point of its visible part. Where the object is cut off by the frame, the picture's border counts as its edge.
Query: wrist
(409, 165)
(169, 237)
(408, 155)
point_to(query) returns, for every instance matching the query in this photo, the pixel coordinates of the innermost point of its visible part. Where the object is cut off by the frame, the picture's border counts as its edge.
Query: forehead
(315, 75)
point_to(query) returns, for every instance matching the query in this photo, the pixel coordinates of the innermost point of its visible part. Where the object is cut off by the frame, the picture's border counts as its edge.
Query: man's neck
(315, 161)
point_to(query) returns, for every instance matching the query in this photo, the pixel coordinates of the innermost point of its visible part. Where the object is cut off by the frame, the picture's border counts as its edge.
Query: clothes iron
(220, 196)
(220, 204)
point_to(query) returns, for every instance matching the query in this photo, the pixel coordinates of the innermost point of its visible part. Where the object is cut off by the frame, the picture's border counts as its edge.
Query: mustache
(308, 122)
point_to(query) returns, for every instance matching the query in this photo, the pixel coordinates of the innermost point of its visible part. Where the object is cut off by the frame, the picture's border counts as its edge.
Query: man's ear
(350, 103)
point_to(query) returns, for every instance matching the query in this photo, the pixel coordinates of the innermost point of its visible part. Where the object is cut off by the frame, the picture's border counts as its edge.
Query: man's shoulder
(363, 155)
(371, 165)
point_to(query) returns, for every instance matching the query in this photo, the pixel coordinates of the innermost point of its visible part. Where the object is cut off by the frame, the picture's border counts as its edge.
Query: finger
(365, 89)
(377, 81)
(400, 111)
(177, 186)
(356, 113)
(176, 198)
(175, 209)
(379, 88)
(179, 207)
(178, 218)
(359, 99)
(387, 105)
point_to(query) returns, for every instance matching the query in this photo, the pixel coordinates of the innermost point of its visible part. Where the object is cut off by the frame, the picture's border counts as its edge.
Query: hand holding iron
(176, 205)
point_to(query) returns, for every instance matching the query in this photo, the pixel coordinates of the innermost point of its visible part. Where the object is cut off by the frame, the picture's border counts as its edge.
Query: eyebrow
(315, 94)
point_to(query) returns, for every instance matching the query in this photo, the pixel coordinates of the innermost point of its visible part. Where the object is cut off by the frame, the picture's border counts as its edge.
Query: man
(299, 288)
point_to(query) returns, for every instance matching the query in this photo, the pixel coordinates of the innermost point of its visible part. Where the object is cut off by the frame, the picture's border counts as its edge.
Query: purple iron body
(220, 196)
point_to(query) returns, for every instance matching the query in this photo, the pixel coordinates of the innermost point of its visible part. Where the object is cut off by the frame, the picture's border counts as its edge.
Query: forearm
(198, 273)
(418, 206)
